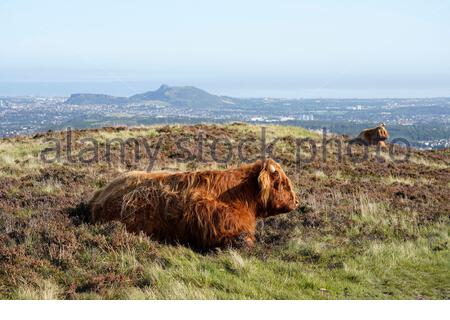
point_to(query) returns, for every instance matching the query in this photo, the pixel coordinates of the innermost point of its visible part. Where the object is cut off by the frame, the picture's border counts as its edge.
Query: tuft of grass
(19, 150)
(236, 263)
(369, 209)
(276, 131)
(406, 181)
(42, 290)
(320, 174)
(373, 219)
(341, 176)
(290, 131)
(127, 133)
(428, 163)
(23, 213)
(49, 186)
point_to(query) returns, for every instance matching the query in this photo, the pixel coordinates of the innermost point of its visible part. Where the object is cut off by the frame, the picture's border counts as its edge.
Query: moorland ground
(376, 229)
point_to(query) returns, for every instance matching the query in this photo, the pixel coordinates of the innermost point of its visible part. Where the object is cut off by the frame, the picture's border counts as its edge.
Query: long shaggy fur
(204, 209)
(375, 136)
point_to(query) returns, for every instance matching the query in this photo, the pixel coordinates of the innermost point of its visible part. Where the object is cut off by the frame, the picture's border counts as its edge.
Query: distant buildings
(425, 122)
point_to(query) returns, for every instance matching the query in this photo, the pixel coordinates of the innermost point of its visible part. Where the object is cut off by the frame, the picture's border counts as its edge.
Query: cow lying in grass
(374, 136)
(204, 209)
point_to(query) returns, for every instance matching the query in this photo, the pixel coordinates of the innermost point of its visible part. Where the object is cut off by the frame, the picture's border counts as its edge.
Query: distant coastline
(128, 88)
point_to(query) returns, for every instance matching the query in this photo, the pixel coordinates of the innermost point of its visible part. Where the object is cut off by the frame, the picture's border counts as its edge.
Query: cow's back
(106, 203)
(366, 136)
(173, 207)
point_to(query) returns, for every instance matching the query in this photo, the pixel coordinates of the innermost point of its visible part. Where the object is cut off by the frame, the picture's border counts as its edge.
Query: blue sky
(247, 48)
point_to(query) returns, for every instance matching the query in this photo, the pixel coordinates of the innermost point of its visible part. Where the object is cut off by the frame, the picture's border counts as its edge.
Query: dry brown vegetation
(377, 229)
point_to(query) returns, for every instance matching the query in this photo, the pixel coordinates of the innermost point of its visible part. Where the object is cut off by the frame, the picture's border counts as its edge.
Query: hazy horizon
(65, 89)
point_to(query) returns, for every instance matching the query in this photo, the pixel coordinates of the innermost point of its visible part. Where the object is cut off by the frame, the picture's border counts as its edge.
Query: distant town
(424, 122)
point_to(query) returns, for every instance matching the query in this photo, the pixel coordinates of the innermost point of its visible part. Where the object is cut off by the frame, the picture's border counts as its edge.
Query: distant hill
(187, 96)
(93, 98)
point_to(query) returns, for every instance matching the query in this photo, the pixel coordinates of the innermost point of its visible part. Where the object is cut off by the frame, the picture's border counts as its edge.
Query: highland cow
(374, 136)
(204, 209)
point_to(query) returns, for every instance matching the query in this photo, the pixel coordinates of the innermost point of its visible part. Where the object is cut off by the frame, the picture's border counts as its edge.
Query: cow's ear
(270, 167)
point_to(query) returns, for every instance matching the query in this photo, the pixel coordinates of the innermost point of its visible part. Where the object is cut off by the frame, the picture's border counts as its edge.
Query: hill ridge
(178, 96)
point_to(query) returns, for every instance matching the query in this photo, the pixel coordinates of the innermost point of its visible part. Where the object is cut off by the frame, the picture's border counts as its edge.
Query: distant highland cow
(374, 136)
(204, 209)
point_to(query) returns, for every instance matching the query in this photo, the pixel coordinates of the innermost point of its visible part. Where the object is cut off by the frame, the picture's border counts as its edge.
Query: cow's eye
(276, 174)
(276, 185)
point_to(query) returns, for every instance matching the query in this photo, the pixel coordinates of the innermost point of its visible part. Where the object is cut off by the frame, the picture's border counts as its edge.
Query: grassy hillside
(372, 230)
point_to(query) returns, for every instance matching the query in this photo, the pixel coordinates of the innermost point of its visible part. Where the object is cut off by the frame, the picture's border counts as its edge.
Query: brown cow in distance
(204, 209)
(374, 136)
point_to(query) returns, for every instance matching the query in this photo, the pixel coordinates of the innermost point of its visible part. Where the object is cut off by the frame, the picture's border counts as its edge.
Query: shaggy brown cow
(204, 209)
(374, 136)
